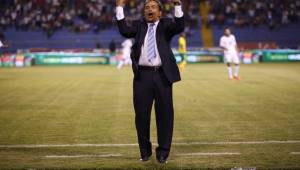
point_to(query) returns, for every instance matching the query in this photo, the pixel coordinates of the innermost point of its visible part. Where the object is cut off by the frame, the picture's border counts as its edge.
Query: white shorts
(232, 58)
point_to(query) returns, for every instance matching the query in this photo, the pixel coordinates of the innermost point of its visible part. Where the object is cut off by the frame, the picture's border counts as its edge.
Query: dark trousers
(153, 86)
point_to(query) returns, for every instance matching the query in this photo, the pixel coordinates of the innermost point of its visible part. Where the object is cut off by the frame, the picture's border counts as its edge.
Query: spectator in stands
(75, 15)
(240, 13)
(96, 15)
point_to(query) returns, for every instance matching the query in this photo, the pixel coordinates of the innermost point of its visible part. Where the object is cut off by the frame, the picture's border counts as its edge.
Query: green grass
(93, 104)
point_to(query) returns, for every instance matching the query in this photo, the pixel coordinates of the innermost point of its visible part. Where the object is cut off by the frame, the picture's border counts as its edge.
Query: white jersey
(127, 44)
(229, 43)
(126, 50)
(1, 44)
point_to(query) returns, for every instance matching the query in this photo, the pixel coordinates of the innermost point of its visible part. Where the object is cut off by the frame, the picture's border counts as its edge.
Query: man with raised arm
(155, 70)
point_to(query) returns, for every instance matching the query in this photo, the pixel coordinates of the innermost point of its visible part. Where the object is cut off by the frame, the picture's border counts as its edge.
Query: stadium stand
(282, 37)
(85, 24)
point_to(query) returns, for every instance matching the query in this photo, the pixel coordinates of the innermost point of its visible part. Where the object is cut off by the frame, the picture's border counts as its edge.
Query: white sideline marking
(67, 145)
(295, 153)
(135, 144)
(241, 143)
(209, 154)
(83, 156)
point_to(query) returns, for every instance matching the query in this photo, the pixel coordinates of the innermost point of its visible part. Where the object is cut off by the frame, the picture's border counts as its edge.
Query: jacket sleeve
(126, 30)
(176, 26)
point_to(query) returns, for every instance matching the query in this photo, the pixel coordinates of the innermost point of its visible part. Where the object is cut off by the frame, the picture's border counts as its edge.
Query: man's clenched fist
(120, 2)
(177, 2)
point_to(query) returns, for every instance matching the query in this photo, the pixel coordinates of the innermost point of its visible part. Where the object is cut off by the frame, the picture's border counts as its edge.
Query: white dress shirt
(144, 61)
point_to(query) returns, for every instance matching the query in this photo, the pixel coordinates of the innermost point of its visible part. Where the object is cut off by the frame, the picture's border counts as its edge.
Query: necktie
(151, 53)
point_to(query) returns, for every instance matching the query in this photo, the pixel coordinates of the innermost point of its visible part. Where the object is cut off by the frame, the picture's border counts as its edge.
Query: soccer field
(72, 117)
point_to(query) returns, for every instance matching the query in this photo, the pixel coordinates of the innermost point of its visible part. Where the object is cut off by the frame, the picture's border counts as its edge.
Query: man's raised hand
(176, 2)
(120, 2)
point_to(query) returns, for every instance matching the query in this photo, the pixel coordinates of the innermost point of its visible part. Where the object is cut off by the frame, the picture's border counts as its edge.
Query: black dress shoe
(145, 158)
(162, 160)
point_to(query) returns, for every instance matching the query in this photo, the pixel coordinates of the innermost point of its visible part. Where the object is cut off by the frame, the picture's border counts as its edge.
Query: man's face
(227, 32)
(152, 12)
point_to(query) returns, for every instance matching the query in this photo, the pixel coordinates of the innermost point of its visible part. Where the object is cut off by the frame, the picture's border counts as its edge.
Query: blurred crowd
(74, 15)
(51, 15)
(240, 13)
(96, 15)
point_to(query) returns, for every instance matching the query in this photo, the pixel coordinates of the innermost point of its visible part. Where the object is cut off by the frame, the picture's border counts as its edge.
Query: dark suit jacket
(166, 29)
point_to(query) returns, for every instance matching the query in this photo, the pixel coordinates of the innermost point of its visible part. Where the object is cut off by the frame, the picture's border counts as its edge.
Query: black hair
(227, 28)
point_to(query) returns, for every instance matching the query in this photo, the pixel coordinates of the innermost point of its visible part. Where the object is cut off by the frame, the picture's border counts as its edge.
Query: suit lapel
(143, 32)
(140, 38)
(158, 34)
(158, 30)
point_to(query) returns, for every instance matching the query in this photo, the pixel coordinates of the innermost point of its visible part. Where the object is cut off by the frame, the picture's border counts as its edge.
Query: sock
(236, 71)
(229, 70)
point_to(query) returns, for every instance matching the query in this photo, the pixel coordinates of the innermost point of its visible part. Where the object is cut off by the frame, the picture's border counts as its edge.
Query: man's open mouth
(150, 14)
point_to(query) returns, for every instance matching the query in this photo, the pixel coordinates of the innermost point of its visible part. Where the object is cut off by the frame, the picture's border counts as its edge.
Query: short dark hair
(158, 3)
(227, 28)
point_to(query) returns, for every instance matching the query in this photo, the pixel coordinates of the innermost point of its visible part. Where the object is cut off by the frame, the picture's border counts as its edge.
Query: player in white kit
(126, 50)
(229, 46)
